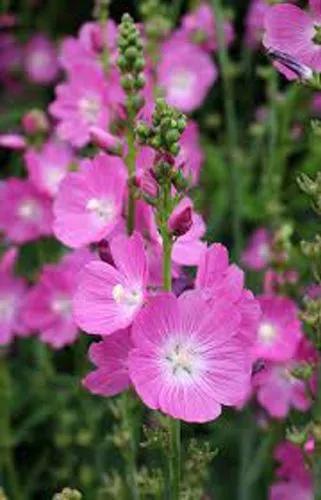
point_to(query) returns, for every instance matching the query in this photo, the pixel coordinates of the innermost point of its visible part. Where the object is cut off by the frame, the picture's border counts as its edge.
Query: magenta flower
(89, 202)
(186, 360)
(12, 295)
(219, 281)
(48, 305)
(25, 213)
(89, 45)
(108, 298)
(81, 102)
(278, 390)
(40, 60)
(295, 477)
(295, 32)
(111, 359)
(200, 27)
(49, 165)
(257, 254)
(186, 74)
(279, 331)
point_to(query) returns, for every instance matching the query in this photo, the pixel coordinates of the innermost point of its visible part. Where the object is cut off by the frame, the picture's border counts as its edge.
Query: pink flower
(80, 103)
(12, 295)
(89, 44)
(278, 390)
(10, 55)
(89, 202)
(200, 27)
(49, 165)
(40, 60)
(111, 359)
(25, 213)
(257, 254)
(218, 280)
(108, 298)
(186, 74)
(186, 360)
(16, 142)
(296, 478)
(279, 331)
(295, 32)
(48, 305)
(106, 140)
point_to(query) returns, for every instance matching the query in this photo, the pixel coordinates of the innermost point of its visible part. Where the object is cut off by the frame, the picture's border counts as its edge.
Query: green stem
(173, 424)
(231, 130)
(130, 452)
(131, 167)
(6, 441)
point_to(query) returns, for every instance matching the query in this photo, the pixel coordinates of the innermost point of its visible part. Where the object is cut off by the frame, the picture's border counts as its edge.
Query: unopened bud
(180, 222)
(35, 122)
(105, 140)
(68, 494)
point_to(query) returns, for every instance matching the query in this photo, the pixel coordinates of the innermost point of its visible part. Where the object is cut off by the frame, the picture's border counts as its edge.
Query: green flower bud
(174, 149)
(172, 136)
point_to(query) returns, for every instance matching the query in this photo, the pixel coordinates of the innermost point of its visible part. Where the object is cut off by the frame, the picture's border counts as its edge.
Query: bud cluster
(167, 128)
(312, 249)
(68, 494)
(131, 62)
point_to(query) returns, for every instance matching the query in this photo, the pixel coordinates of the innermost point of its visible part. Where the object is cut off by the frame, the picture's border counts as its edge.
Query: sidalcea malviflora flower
(109, 297)
(187, 360)
(89, 202)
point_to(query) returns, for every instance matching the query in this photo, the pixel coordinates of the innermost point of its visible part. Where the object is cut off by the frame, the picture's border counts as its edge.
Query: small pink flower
(278, 390)
(200, 27)
(48, 305)
(108, 298)
(25, 213)
(186, 73)
(296, 479)
(295, 32)
(186, 360)
(11, 55)
(82, 102)
(258, 251)
(40, 60)
(48, 165)
(89, 202)
(12, 295)
(111, 359)
(89, 44)
(16, 142)
(279, 331)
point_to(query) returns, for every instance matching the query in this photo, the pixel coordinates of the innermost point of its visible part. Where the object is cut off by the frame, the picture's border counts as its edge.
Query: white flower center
(61, 305)
(6, 307)
(103, 209)
(39, 60)
(181, 360)
(182, 84)
(267, 333)
(130, 298)
(264, 252)
(89, 108)
(28, 210)
(53, 177)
